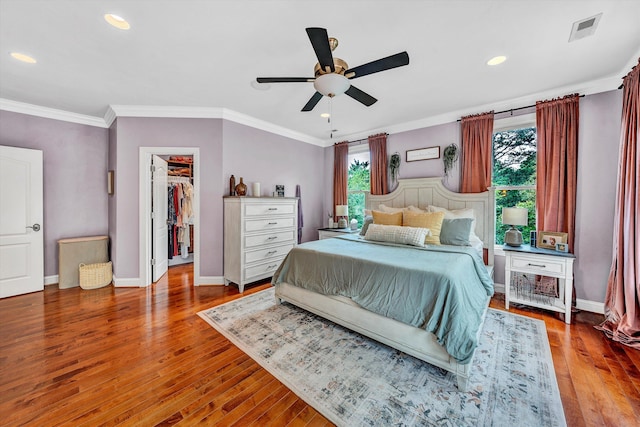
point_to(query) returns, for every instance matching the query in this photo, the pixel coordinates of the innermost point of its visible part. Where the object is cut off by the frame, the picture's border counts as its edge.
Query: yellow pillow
(385, 218)
(430, 220)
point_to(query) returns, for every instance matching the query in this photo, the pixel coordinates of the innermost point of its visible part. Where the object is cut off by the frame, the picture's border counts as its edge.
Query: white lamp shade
(515, 216)
(331, 84)
(342, 210)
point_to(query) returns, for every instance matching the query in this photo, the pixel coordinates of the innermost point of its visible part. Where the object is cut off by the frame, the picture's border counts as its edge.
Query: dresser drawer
(538, 265)
(262, 270)
(265, 239)
(268, 224)
(262, 209)
(267, 253)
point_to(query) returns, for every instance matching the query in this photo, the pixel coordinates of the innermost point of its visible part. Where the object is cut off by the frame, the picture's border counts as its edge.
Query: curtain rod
(516, 109)
(359, 141)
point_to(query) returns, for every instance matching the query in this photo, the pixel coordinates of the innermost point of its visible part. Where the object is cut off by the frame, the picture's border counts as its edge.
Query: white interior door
(21, 235)
(159, 229)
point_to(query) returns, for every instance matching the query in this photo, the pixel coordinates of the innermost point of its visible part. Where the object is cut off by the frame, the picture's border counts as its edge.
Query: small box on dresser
(258, 234)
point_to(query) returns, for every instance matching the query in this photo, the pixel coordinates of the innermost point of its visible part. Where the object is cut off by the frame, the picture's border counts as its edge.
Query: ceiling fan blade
(312, 102)
(285, 79)
(320, 42)
(393, 61)
(361, 96)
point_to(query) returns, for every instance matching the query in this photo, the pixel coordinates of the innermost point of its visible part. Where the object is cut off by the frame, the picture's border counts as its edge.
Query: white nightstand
(532, 262)
(328, 233)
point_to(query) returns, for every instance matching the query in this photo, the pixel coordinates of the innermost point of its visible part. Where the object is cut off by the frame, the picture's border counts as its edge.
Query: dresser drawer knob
(273, 209)
(537, 265)
(272, 237)
(271, 252)
(269, 267)
(273, 223)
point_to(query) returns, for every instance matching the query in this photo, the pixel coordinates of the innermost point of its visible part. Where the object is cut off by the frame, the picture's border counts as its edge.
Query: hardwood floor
(142, 357)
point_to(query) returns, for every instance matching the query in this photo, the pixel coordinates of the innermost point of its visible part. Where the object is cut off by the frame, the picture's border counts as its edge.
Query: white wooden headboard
(421, 192)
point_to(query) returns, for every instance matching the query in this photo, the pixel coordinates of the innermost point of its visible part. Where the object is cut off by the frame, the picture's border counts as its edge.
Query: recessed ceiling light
(117, 21)
(24, 58)
(497, 60)
(325, 115)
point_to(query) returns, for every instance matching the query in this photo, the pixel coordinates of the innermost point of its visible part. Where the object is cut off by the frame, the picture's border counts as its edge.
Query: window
(514, 176)
(358, 181)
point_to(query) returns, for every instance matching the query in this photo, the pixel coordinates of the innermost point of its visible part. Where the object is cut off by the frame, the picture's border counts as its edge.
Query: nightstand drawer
(538, 265)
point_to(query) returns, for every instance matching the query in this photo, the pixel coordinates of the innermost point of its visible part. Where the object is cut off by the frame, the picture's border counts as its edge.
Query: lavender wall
(434, 136)
(259, 156)
(598, 152)
(135, 132)
(75, 168)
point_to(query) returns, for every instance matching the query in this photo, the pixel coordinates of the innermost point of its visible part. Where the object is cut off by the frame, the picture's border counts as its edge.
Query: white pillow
(458, 213)
(414, 209)
(389, 209)
(413, 236)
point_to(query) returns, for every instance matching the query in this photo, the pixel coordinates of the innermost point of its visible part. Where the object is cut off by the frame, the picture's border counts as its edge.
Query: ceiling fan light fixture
(325, 115)
(331, 84)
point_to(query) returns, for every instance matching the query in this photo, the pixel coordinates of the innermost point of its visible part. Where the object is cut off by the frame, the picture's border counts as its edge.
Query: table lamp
(513, 217)
(342, 211)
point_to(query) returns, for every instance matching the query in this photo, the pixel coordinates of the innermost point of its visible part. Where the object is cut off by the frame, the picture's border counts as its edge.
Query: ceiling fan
(332, 75)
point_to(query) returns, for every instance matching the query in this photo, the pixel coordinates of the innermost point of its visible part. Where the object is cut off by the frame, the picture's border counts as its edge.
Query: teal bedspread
(443, 289)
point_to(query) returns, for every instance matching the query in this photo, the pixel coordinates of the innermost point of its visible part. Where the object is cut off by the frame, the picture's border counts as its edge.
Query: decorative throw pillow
(413, 236)
(456, 231)
(430, 220)
(368, 220)
(458, 213)
(385, 218)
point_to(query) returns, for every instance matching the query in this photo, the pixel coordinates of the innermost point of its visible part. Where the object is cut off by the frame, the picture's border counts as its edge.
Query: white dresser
(258, 233)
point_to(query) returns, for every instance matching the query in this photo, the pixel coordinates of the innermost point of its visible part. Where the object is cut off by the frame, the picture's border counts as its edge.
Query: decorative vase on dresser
(241, 188)
(258, 233)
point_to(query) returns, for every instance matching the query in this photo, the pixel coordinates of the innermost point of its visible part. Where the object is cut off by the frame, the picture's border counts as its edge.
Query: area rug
(353, 380)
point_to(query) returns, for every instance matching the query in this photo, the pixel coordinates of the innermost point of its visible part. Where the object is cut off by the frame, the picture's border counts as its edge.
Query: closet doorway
(153, 225)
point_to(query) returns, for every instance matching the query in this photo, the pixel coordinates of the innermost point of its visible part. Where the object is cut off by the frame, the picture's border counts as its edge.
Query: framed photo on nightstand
(548, 239)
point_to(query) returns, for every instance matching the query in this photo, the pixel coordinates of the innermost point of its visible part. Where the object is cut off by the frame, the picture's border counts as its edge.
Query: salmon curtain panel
(622, 309)
(477, 155)
(378, 154)
(340, 174)
(557, 165)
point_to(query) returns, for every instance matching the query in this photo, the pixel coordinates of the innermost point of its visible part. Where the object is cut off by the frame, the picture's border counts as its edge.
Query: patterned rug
(354, 381)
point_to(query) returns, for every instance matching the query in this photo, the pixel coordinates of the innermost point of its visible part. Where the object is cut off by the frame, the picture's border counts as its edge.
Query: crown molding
(51, 113)
(206, 113)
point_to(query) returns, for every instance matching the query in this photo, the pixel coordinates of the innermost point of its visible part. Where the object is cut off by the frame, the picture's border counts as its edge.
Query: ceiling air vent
(585, 27)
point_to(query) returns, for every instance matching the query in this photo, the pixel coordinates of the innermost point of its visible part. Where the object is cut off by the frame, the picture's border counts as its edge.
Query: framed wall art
(428, 153)
(549, 239)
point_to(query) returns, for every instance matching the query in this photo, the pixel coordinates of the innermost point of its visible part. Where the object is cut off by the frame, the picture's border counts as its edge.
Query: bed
(464, 286)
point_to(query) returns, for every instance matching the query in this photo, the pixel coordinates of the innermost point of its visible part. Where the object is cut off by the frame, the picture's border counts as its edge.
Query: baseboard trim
(51, 280)
(133, 282)
(581, 304)
(591, 306)
(210, 281)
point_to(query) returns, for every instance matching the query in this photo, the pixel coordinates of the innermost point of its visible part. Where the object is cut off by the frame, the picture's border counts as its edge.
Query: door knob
(35, 227)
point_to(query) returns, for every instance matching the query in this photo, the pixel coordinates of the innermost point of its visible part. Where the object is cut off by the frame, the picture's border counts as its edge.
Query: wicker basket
(93, 276)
